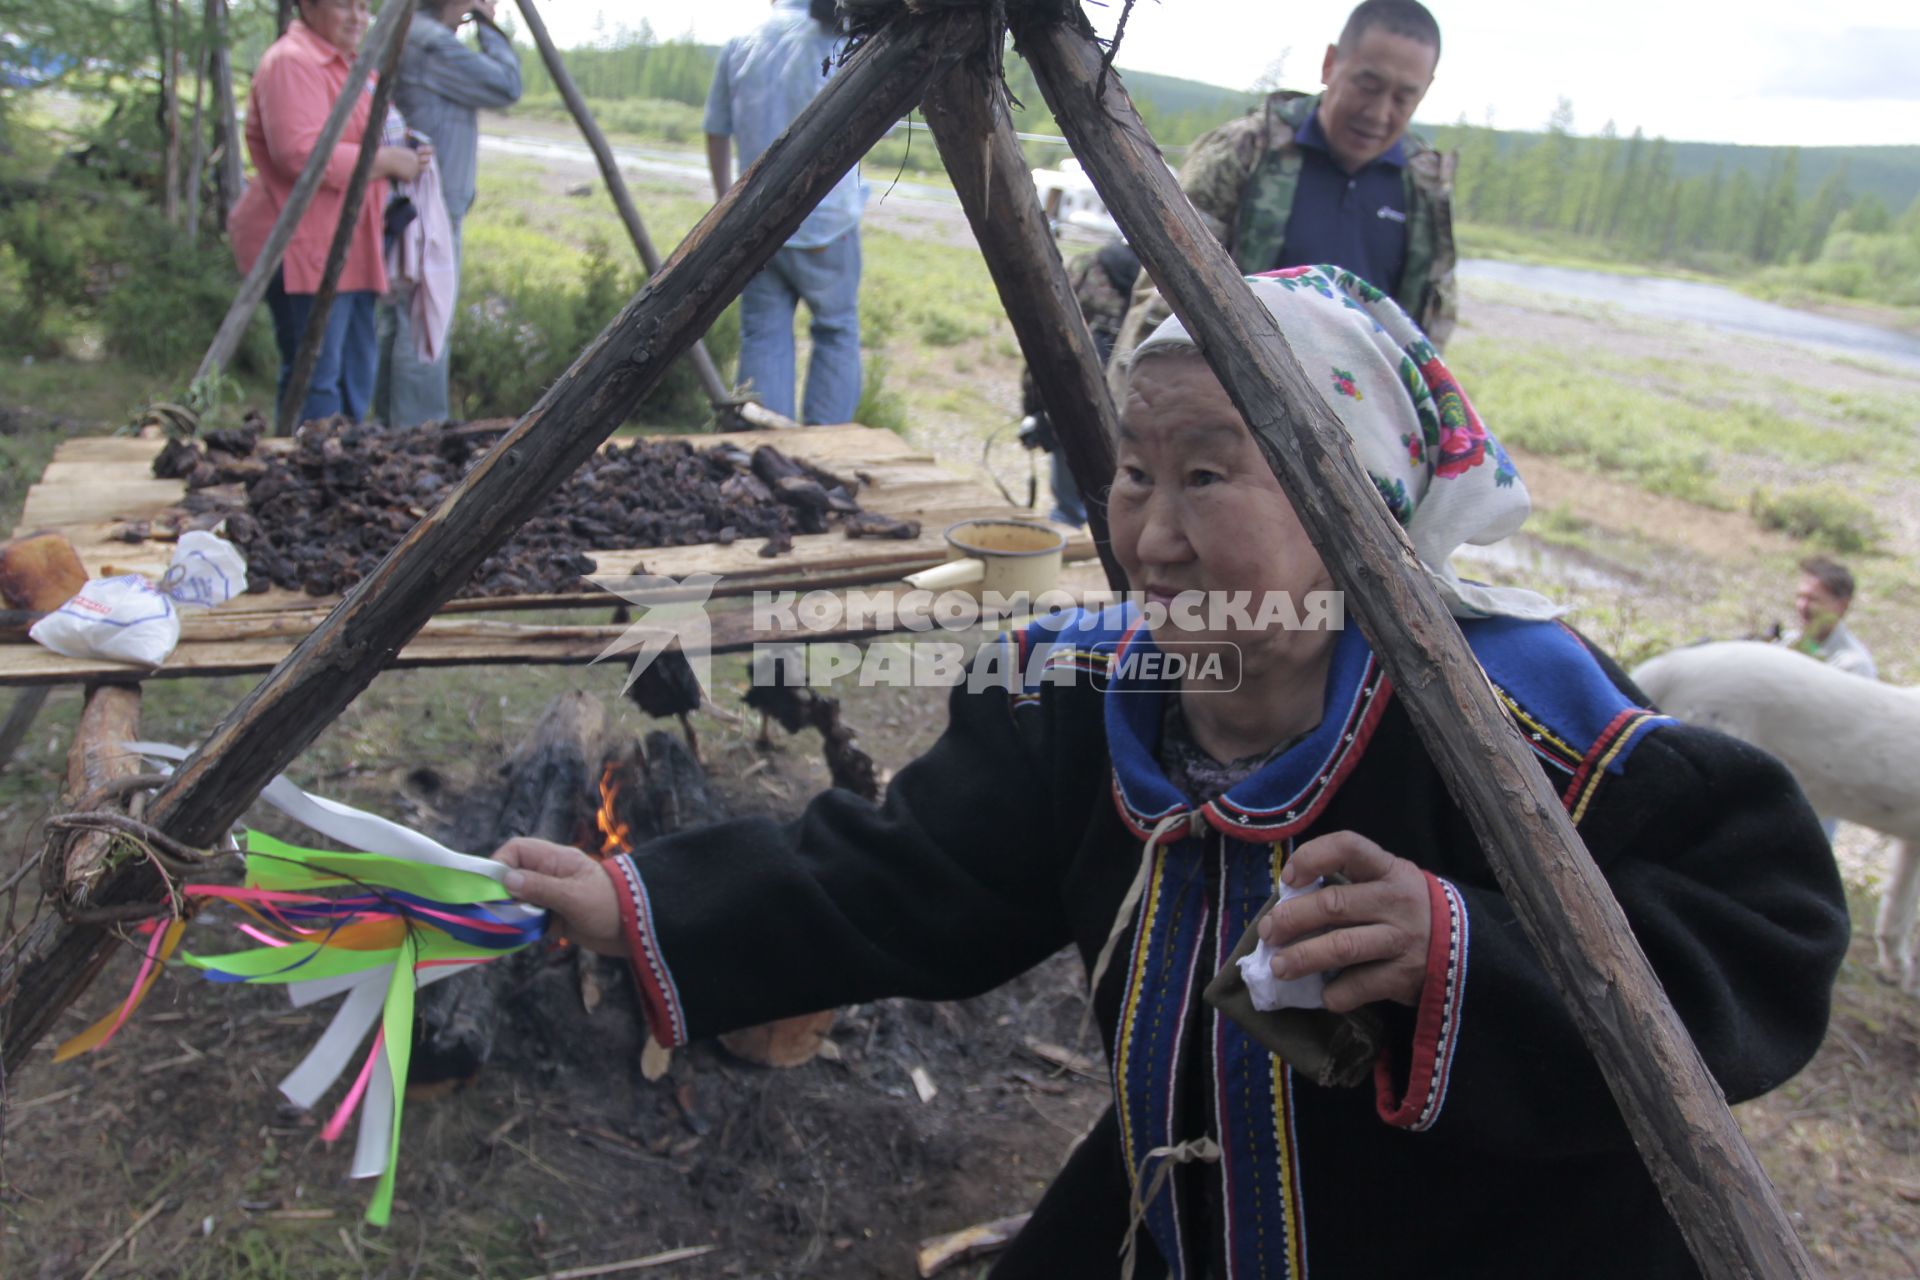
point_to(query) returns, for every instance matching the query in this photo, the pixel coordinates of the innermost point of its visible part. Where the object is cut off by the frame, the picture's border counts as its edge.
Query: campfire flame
(616, 835)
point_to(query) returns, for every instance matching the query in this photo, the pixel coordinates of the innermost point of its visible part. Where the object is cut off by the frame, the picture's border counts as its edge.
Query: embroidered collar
(1282, 797)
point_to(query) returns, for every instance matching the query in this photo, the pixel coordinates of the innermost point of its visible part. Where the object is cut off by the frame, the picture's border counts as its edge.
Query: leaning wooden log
(288, 709)
(1713, 1186)
(315, 335)
(968, 113)
(719, 395)
(386, 29)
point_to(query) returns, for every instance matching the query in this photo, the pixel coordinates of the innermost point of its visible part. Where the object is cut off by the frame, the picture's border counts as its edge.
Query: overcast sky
(1765, 72)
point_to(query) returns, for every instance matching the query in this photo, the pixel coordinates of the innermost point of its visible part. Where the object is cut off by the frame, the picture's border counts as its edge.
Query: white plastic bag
(206, 571)
(129, 619)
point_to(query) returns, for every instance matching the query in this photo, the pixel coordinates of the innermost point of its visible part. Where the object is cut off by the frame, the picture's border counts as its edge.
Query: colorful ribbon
(374, 925)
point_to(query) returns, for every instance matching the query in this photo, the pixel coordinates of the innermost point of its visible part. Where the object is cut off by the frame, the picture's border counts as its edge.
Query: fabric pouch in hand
(1330, 1049)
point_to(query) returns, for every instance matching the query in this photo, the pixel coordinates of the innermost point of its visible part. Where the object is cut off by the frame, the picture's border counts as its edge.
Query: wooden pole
(967, 111)
(351, 202)
(19, 721)
(386, 29)
(719, 394)
(1713, 1186)
(109, 719)
(274, 723)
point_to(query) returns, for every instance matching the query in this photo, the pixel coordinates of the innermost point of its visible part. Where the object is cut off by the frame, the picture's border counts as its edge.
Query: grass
(1823, 514)
(1675, 426)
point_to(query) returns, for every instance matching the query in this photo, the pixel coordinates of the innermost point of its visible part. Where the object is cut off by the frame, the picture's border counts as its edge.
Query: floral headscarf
(1446, 480)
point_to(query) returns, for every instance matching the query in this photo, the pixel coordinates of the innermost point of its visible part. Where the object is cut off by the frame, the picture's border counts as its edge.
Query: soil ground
(168, 1154)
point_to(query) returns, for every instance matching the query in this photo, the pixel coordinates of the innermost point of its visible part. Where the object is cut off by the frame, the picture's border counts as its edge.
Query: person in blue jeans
(762, 81)
(343, 372)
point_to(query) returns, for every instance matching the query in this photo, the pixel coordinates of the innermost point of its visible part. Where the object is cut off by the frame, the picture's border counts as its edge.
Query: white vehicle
(1067, 194)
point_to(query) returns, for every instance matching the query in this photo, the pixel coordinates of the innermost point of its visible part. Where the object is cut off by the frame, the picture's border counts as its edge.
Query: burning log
(561, 1008)
(548, 791)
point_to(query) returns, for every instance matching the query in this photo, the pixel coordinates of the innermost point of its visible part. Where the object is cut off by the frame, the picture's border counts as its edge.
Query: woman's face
(341, 23)
(1195, 508)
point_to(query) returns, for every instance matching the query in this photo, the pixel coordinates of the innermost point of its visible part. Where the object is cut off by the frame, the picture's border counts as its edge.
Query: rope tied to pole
(114, 810)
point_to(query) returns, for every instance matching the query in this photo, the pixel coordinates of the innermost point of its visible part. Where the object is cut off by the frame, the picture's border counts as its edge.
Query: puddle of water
(1706, 304)
(1543, 566)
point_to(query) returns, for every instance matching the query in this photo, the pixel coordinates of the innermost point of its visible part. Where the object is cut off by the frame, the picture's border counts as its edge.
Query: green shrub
(880, 405)
(521, 326)
(1819, 513)
(41, 280)
(168, 301)
(945, 329)
(77, 258)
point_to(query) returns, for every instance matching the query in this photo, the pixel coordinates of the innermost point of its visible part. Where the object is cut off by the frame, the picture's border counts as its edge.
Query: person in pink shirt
(298, 80)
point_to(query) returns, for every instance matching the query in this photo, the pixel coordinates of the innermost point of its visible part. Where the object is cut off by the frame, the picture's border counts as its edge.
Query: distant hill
(1177, 111)
(1890, 173)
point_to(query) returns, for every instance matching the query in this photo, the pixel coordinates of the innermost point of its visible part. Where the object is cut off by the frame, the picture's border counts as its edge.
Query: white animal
(1853, 744)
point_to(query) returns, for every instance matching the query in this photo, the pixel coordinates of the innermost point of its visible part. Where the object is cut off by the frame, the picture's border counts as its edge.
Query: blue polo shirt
(764, 79)
(1357, 221)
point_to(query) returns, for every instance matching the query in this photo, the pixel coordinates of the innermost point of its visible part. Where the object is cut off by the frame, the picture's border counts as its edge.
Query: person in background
(1102, 281)
(1336, 177)
(1824, 596)
(762, 81)
(441, 87)
(294, 88)
(1822, 600)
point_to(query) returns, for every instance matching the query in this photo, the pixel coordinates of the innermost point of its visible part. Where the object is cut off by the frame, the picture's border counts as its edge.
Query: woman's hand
(1376, 926)
(571, 885)
(403, 164)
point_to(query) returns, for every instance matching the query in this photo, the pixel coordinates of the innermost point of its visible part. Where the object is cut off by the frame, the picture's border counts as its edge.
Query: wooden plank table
(94, 484)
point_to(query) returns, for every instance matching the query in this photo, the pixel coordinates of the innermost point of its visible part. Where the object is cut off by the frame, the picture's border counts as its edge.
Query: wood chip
(655, 1059)
(923, 1084)
(940, 1252)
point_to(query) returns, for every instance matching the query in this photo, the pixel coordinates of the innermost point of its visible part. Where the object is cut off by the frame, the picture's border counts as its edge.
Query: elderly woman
(1150, 823)
(294, 89)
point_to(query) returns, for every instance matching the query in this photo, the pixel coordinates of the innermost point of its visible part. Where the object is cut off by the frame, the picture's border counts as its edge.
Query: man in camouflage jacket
(1103, 280)
(1244, 177)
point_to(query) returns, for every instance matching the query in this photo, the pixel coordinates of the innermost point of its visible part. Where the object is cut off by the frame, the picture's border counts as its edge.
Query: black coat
(1487, 1144)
